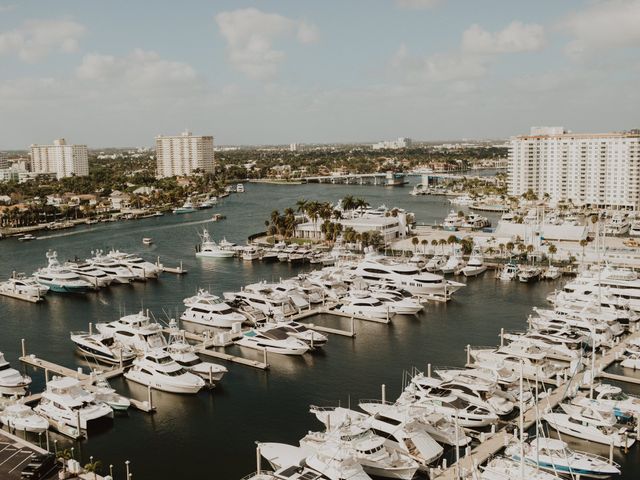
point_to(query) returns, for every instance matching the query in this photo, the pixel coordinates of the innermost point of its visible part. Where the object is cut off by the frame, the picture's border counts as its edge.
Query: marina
(482, 307)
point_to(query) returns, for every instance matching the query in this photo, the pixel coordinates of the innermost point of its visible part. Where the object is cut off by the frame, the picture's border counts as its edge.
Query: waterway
(212, 434)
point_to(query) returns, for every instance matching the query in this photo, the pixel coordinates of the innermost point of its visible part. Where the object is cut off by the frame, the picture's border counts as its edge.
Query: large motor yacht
(12, 382)
(118, 272)
(475, 265)
(102, 348)
(405, 276)
(60, 279)
(209, 310)
(138, 266)
(22, 418)
(96, 277)
(367, 306)
(65, 402)
(135, 331)
(158, 370)
(185, 355)
(273, 340)
(209, 248)
(23, 285)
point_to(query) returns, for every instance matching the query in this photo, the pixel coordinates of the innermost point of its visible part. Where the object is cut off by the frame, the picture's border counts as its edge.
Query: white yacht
(534, 364)
(501, 468)
(65, 402)
(529, 274)
(12, 382)
(617, 225)
(209, 248)
(373, 452)
(117, 272)
(453, 221)
(273, 340)
(302, 332)
(104, 393)
(251, 253)
(555, 456)
(138, 266)
(454, 264)
(436, 263)
(366, 306)
(185, 355)
(187, 207)
(634, 229)
(397, 302)
(618, 400)
(23, 285)
(158, 370)
(405, 276)
(552, 273)
(475, 221)
(102, 348)
(336, 463)
(508, 272)
(590, 424)
(409, 436)
(240, 188)
(475, 265)
(135, 331)
(60, 279)
(268, 303)
(22, 418)
(209, 310)
(96, 277)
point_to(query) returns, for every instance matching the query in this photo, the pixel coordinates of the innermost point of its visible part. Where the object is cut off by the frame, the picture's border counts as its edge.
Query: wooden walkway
(496, 442)
(232, 358)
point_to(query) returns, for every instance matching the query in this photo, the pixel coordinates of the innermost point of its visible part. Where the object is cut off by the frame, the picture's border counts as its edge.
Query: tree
(415, 242)
(93, 467)
(509, 246)
(583, 244)
(424, 242)
(552, 251)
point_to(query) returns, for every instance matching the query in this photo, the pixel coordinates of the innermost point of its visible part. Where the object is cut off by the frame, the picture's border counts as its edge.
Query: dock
(21, 296)
(496, 442)
(233, 358)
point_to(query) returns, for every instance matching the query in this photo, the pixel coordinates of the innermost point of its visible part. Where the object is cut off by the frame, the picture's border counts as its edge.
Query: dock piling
(384, 393)
(24, 348)
(149, 397)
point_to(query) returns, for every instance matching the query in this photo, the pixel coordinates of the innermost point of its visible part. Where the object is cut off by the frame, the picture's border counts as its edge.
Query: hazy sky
(117, 73)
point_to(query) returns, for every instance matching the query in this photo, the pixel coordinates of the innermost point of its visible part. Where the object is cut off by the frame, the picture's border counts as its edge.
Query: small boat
(240, 188)
(529, 274)
(187, 207)
(508, 272)
(105, 393)
(20, 417)
(27, 237)
(217, 217)
(147, 240)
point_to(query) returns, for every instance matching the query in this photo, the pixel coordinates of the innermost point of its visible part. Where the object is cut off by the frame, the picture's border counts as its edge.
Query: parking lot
(13, 458)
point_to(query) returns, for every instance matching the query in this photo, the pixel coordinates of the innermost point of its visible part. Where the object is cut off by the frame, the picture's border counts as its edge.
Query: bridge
(388, 179)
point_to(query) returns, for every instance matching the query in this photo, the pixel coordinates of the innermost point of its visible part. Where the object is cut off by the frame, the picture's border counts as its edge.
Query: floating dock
(21, 296)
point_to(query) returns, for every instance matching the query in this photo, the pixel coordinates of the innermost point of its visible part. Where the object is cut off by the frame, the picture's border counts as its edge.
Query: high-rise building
(401, 142)
(182, 154)
(60, 158)
(598, 170)
(4, 161)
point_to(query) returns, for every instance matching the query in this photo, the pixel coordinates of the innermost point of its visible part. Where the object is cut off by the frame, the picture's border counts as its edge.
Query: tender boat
(60, 279)
(12, 382)
(273, 340)
(65, 402)
(27, 237)
(158, 370)
(102, 348)
(22, 418)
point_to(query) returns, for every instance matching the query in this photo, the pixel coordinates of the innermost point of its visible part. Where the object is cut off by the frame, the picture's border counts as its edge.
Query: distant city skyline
(282, 72)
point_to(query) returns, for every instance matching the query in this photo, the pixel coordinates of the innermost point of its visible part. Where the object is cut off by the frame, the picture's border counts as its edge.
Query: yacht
(147, 240)
(397, 302)
(12, 382)
(270, 304)
(405, 276)
(453, 221)
(96, 277)
(185, 356)
(508, 272)
(366, 306)
(251, 253)
(436, 263)
(27, 237)
(475, 221)
(21, 418)
(273, 340)
(138, 266)
(302, 332)
(134, 331)
(65, 402)
(591, 425)
(156, 369)
(377, 456)
(529, 274)
(209, 310)
(552, 273)
(60, 279)
(187, 207)
(615, 398)
(454, 264)
(463, 200)
(501, 468)
(23, 285)
(508, 216)
(409, 436)
(102, 348)
(336, 463)
(617, 225)
(240, 188)
(555, 456)
(209, 248)
(117, 272)
(533, 363)
(104, 393)
(287, 461)
(634, 229)
(475, 265)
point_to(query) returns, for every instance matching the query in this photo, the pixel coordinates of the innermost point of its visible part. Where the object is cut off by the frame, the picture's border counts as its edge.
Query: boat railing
(375, 400)
(257, 474)
(79, 332)
(321, 409)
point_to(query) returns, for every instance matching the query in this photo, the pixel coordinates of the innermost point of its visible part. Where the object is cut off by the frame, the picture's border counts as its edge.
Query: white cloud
(250, 35)
(35, 39)
(516, 37)
(142, 71)
(417, 4)
(7, 8)
(605, 24)
(440, 67)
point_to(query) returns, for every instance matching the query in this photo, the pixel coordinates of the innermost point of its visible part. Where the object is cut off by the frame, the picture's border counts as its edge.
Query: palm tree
(415, 242)
(424, 242)
(501, 247)
(301, 205)
(442, 242)
(509, 246)
(93, 467)
(583, 244)
(348, 202)
(552, 251)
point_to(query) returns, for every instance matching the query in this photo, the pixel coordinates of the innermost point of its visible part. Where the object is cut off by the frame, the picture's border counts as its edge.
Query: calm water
(212, 434)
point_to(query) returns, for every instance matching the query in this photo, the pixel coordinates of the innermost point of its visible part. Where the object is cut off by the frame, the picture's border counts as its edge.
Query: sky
(118, 73)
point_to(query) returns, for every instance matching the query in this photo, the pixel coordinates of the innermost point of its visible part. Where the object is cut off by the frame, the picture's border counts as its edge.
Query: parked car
(39, 466)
